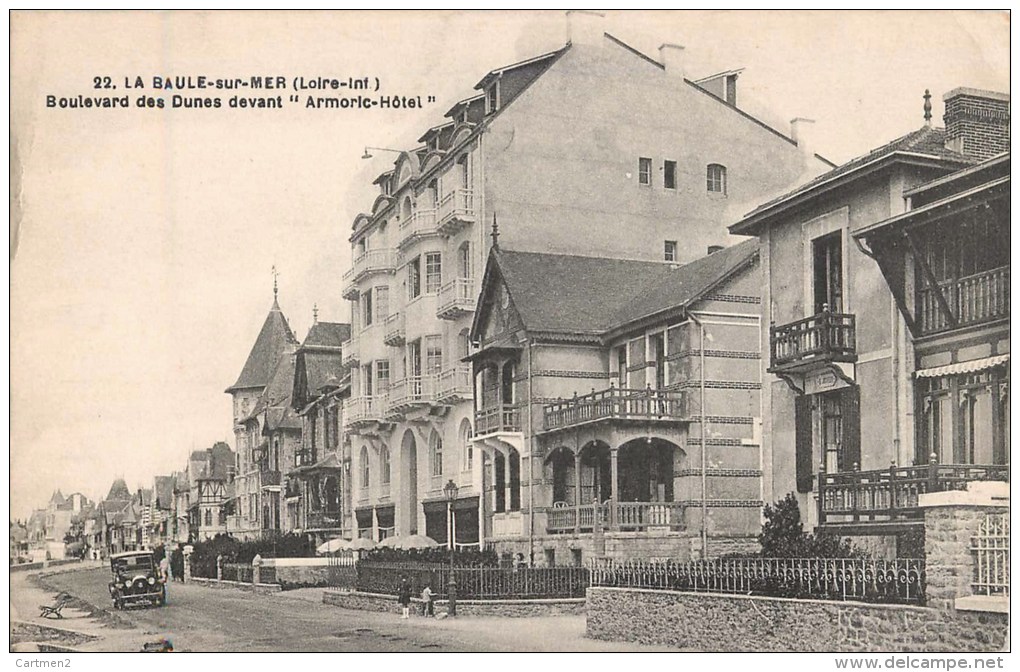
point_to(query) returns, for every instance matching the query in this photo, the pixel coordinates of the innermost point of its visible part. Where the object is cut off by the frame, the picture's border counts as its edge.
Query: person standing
(404, 597)
(426, 601)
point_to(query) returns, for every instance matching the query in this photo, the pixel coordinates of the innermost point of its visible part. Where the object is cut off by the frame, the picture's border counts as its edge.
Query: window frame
(716, 180)
(669, 175)
(414, 278)
(433, 272)
(669, 250)
(644, 171)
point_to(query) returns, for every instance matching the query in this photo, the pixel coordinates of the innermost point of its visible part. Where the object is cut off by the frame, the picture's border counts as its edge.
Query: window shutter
(851, 401)
(805, 463)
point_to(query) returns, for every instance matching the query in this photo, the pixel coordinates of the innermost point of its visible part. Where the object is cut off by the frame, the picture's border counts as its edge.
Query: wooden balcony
(456, 299)
(455, 384)
(615, 516)
(820, 339)
(395, 333)
(349, 348)
(495, 419)
(863, 501)
(411, 392)
(615, 404)
(978, 298)
(422, 224)
(456, 210)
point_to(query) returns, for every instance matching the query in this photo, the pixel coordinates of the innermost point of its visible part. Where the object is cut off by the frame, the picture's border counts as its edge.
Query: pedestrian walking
(404, 597)
(427, 608)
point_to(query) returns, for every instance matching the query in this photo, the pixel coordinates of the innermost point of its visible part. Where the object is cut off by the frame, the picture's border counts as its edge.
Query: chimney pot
(585, 27)
(672, 57)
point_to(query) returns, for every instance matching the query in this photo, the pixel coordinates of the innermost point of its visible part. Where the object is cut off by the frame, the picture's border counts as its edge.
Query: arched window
(436, 452)
(467, 447)
(464, 260)
(717, 178)
(365, 473)
(384, 465)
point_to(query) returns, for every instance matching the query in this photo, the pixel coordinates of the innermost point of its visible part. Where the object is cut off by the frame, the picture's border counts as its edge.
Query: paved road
(198, 618)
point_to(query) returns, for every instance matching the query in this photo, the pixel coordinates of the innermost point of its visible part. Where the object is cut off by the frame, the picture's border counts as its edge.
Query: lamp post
(368, 155)
(450, 490)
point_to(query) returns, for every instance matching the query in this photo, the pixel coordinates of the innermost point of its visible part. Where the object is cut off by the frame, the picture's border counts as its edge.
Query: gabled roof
(145, 496)
(57, 498)
(273, 339)
(119, 492)
(926, 143)
(575, 295)
(327, 335)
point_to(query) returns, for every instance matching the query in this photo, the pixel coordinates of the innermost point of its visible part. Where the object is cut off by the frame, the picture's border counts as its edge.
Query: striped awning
(962, 367)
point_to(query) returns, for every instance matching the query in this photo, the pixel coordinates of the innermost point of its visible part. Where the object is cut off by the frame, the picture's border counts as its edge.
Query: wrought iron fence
(237, 571)
(991, 556)
(342, 571)
(478, 583)
(863, 580)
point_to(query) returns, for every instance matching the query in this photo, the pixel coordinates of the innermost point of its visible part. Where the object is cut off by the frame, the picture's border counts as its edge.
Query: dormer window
(491, 98)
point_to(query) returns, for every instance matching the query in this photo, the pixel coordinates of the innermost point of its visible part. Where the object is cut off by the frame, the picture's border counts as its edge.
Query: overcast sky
(144, 238)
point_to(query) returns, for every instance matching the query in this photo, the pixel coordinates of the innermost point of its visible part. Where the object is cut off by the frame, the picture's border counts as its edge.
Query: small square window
(669, 250)
(669, 174)
(645, 171)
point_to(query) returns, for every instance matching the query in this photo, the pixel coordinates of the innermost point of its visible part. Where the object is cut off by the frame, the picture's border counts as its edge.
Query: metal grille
(991, 556)
(888, 581)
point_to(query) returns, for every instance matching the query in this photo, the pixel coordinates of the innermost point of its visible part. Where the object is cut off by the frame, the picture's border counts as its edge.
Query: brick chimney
(977, 122)
(585, 27)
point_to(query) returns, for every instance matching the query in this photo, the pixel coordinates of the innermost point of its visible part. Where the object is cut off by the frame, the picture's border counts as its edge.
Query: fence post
(256, 569)
(187, 561)
(219, 567)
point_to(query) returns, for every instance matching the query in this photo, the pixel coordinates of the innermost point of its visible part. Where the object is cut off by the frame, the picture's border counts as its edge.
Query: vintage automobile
(136, 578)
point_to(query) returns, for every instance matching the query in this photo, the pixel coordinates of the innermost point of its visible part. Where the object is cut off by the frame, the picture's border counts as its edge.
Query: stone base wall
(504, 608)
(712, 622)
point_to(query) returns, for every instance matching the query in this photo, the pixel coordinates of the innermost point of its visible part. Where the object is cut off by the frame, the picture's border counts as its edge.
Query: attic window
(492, 98)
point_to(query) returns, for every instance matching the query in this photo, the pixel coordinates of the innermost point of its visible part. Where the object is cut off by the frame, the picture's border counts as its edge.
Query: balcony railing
(269, 479)
(349, 348)
(394, 334)
(412, 391)
(825, 337)
(615, 404)
(456, 298)
(456, 209)
(977, 298)
(324, 520)
(421, 224)
(373, 261)
(455, 384)
(359, 411)
(502, 418)
(576, 519)
(891, 495)
(643, 515)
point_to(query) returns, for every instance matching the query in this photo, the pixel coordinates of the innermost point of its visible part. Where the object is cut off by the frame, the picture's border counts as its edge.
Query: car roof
(130, 554)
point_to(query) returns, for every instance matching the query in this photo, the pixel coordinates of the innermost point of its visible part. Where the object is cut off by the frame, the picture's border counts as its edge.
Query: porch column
(577, 492)
(375, 525)
(615, 469)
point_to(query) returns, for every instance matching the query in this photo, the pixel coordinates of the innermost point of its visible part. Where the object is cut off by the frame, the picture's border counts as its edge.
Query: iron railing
(991, 556)
(456, 298)
(500, 418)
(616, 404)
(825, 337)
(892, 494)
(475, 583)
(342, 574)
(862, 580)
(981, 297)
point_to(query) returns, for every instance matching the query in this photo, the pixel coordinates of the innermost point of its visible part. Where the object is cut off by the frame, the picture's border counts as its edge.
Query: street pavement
(200, 618)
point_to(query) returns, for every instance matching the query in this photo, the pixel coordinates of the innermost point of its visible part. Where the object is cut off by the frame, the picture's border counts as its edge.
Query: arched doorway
(596, 473)
(646, 468)
(561, 470)
(409, 472)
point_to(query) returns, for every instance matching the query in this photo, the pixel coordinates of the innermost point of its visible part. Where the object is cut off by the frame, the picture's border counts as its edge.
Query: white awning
(962, 367)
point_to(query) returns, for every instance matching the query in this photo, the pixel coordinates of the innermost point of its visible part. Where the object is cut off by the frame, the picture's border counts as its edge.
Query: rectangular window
(433, 272)
(669, 174)
(828, 269)
(367, 307)
(414, 278)
(382, 303)
(492, 98)
(382, 376)
(644, 171)
(716, 178)
(433, 354)
(669, 250)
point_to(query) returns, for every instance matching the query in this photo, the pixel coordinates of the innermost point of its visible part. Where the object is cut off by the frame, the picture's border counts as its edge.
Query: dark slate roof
(323, 369)
(57, 498)
(145, 496)
(927, 141)
(221, 459)
(164, 489)
(593, 295)
(273, 339)
(119, 491)
(327, 335)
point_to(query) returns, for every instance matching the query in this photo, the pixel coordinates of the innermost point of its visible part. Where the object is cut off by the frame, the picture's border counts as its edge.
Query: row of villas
(551, 353)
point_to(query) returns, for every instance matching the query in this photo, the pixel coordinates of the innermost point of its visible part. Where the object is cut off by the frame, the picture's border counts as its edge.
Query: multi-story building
(317, 489)
(161, 510)
(594, 149)
(882, 375)
(209, 479)
(616, 408)
(257, 486)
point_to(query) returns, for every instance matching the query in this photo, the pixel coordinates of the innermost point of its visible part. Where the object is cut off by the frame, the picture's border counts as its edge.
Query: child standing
(404, 598)
(426, 601)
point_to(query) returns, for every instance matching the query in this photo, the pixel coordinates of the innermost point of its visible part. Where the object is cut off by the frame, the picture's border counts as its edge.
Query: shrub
(783, 535)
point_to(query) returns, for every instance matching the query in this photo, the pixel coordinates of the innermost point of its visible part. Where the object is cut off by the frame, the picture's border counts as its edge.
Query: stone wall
(504, 608)
(237, 585)
(949, 566)
(306, 572)
(712, 622)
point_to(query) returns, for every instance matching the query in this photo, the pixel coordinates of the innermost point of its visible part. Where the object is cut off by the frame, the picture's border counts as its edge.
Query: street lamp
(450, 490)
(368, 155)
